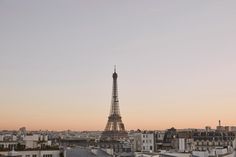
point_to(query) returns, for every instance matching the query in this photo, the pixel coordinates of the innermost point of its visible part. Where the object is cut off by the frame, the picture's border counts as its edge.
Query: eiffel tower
(115, 129)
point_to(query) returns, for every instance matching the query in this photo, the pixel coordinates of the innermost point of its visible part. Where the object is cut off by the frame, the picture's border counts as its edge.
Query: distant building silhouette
(114, 137)
(115, 129)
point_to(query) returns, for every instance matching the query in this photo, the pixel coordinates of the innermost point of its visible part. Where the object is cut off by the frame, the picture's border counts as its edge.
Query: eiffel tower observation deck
(115, 129)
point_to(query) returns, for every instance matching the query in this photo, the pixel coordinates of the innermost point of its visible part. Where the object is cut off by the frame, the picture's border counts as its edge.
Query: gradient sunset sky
(176, 63)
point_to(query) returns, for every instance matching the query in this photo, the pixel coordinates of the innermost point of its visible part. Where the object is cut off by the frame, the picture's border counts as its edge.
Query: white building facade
(147, 139)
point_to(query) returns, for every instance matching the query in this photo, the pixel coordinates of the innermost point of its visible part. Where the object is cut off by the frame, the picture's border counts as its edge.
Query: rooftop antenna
(114, 68)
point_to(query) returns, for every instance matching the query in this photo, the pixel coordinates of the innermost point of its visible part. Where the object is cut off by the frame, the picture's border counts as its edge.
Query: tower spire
(114, 68)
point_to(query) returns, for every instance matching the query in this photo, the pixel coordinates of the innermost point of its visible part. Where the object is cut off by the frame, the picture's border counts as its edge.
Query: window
(34, 155)
(150, 147)
(27, 155)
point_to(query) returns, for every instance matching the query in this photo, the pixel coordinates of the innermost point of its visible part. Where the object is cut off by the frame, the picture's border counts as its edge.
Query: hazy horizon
(175, 62)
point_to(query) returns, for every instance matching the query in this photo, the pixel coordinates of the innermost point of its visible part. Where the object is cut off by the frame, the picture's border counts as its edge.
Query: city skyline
(175, 60)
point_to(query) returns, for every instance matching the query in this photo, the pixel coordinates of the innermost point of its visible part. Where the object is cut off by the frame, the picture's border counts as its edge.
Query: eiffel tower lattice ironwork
(115, 129)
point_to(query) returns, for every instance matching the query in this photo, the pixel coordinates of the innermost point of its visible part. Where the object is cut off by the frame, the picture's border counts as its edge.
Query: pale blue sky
(175, 61)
